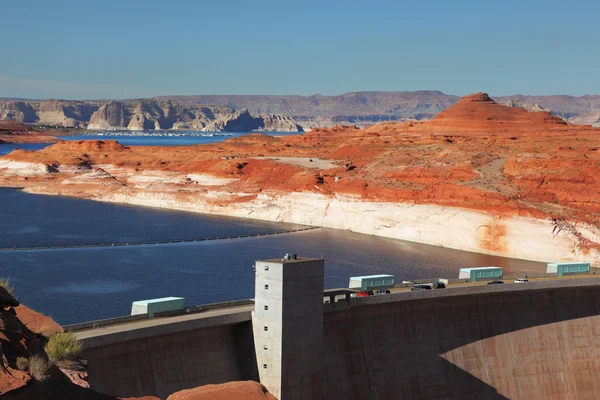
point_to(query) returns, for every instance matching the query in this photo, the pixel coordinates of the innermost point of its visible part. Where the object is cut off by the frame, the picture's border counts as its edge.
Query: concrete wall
(501, 344)
(289, 351)
(536, 340)
(165, 364)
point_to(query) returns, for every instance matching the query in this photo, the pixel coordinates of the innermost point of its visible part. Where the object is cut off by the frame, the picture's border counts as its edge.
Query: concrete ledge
(104, 322)
(205, 307)
(130, 318)
(473, 290)
(110, 335)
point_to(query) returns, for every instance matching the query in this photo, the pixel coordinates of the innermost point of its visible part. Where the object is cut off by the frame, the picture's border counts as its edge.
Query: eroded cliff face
(142, 114)
(154, 114)
(243, 121)
(61, 113)
(480, 177)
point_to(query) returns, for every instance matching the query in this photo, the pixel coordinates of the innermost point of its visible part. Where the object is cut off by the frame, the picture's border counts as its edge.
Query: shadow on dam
(525, 342)
(518, 344)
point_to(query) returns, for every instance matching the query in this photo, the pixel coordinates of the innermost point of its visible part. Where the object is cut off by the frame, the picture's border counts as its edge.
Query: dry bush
(22, 363)
(5, 283)
(39, 368)
(63, 346)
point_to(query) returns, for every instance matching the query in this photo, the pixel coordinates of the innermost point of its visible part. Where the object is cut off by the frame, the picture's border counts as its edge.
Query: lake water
(75, 285)
(129, 138)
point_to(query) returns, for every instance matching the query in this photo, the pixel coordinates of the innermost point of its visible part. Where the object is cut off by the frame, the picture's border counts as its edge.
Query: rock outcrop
(56, 113)
(479, 113)
(14, 132)
(243, 121)
(23, 335)
(17, 111)
(148, 114)
(525, 106)
(228, 391)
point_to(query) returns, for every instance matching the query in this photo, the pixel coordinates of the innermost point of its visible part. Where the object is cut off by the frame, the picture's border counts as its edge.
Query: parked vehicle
(438, 285)
(420, 287)
(381, 292)
(362, 293)
(521, 280)
(495, 283)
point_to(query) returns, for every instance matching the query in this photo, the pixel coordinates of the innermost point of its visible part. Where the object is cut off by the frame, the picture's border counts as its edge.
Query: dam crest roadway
(534, 340)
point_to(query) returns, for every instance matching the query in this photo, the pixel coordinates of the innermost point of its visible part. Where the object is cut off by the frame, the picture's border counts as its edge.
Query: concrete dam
(512, 341)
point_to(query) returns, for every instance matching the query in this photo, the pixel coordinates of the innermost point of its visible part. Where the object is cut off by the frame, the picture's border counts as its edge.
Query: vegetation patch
(63, 346)
(22, 363)
(39, 368)
(5, 283)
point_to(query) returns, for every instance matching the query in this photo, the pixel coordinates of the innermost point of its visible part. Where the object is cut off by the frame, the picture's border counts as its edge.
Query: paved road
(152, 322)
(158, 321)
(507, 281)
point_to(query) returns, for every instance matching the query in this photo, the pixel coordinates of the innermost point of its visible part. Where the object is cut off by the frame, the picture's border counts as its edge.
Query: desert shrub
(22, 363)
(5, 283)
(39, 368)
(63, 346)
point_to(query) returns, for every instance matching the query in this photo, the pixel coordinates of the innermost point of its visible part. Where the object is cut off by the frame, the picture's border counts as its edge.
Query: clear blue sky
(129, 48)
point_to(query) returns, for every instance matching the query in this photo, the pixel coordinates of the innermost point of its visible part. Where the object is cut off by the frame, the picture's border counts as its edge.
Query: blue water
(75, 285)
(128, 138)
(8, 147)
(179, 138)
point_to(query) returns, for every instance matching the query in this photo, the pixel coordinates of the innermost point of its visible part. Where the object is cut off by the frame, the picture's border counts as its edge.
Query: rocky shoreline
(479, 177)
(452, 227)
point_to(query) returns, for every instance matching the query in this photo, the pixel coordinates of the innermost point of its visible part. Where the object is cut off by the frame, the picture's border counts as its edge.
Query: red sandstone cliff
(477, 155)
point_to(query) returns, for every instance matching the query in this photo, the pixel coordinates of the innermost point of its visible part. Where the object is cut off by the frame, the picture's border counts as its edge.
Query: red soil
(228, 391)
(37, 322)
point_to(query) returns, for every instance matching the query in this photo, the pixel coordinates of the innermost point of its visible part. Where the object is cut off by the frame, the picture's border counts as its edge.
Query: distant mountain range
(266, 112)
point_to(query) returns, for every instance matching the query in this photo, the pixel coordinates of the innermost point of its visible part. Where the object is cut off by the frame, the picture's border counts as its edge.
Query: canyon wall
(353, 108)
(367, 108)
(141, 114)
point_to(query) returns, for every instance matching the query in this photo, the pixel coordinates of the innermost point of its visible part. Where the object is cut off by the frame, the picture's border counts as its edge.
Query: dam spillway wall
(164, 364)
(516, 345)
(540, 340)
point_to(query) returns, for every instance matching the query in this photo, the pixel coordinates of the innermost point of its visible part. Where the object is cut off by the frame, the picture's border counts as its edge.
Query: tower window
(265, 347)
(266, 267)
(266, 328)
(266, 287)
(266, 307)
(264, 366)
